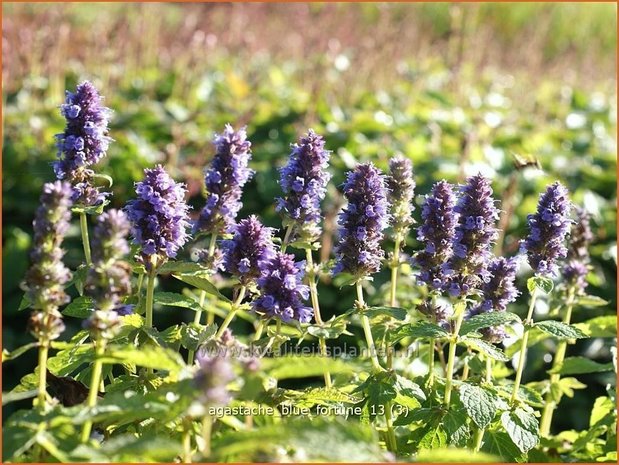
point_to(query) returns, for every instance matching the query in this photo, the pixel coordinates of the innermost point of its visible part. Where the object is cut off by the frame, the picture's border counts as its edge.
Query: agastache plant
(159, 221)
(304, 183)
(401, 186)
(575, 277)
(47, 276)
(83, 143)
(544, 246)
(246, 257)
(108, 282)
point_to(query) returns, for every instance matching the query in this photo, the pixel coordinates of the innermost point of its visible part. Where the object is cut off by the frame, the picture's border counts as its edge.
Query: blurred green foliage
(451, 118)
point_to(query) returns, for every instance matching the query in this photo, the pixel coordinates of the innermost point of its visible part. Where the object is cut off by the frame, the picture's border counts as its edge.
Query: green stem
(395, 268)
(95, 381)
(150, 294)
(287, 237)
(85, 240)
(42, 394)
(207, 428)
(196, 320)
(234, 307)
(316, 306)
(551, 403)
(259, 330)
(391, 440)
(523, 347)
(210, 316)
(365, 321)
(187, 440)
(479, 432)
(431, 363)
(452, 358)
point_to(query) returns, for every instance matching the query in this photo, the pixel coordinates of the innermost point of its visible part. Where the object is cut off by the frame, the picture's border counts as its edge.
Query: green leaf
(522, 428)
(408, 393)
(394, 312)
(560, 330)
(580, 365)
(298, 366)
(590, 301)
(8, 397)
(321, 396)
(171, 299)
(538, 282)
(149, 356)
(486, 320)
(479, 404)
(193, 336)
(80, 307)
(603, 410)
(419, 329)
(24, 303)
(201, 282)
(174, 267)
(500, 444)
(6, 355)
(485, 348)
(601, 326)
(456, 427)
(79, 278)
(435, 438)
(325, 331)
(565, 386)
(452, 455)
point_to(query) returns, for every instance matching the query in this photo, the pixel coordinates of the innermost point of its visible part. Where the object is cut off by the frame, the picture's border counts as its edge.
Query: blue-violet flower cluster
(475, 232)
(436, 233)
(249, 250)
(304, 182)
(401, 186)
(214, 374)
(224, 182)
(545, 244)
(159, 216)
(83, 143)
(362, 222)
(281, 290)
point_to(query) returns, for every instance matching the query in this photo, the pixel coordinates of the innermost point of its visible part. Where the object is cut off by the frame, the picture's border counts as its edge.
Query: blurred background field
(458, 88)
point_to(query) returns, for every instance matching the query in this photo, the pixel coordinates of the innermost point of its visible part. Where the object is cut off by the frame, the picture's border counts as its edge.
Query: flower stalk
(95, 381)
(85, 239)
(523, 346)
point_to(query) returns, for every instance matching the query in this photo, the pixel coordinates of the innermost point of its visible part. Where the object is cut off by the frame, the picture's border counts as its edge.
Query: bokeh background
(458, 88)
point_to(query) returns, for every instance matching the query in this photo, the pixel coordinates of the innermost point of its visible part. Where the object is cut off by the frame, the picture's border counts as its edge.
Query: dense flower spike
(548, 227)
(436, 234)
(362, 222)
(475, 232)
(214, 374)
(580, 237)
(281, 290)
(437, 312)
(401, 192)
(159, 218)
(249, 250)
(45, 280)
(83, 143)
(109, 280)
(224, 181)
(304, 182)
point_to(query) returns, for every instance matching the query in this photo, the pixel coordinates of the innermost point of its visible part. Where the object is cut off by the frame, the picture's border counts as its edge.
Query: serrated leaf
(80, 307)
(419, 329)
(560, 330)
(201, 282)
(590, 301)
(485, 348)
(172, 299)
(193, 336)
(522, 427)
(581, 365)
(435, 438)
(486, 320)
(480, 405)
(324, 395)
(538, 282)
(394, 312)
(149, 356)
(408, 393)
(456, 427)
(500, 444)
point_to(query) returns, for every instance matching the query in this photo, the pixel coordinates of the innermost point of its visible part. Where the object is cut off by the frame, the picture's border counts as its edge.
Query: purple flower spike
(224, 182)
(214, 374)
(362, 222)
(548, 228)
(249, 250)
(304, 182)
(281, 290)
(109, 280)
(436, 234)
(45, 280)
(158, 217)
(576, 270)
(401, 192)
(475, 233)
(83, 143)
